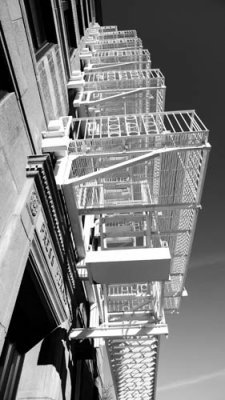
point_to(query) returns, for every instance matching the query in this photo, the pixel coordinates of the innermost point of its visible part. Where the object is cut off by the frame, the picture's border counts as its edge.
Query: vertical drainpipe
(75, 22)
(93, 18)
(91, 11)
(63, 33)
(87, 9)
(82, 12)
(59, 34)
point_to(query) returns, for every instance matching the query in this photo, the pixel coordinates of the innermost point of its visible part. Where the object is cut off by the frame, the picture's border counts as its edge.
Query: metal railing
(127, 133)
(123, 43)
(108, 28)
(116, 34)
(123, 79)
(125, 59)
(120, 101)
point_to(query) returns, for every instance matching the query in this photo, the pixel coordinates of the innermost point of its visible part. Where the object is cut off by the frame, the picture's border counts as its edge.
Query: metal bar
(115, 332)
(137, 208)
(122, 94)
(111, 154)
(105, 303)
(130, 296)
(142, 114)
(113, 65)
(170, 232)
(98, 47)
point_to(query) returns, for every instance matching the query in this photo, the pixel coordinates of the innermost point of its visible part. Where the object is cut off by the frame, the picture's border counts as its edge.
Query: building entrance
(30, 322)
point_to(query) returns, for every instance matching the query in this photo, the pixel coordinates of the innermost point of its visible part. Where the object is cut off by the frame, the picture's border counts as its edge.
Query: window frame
(6, 69)
(40, 19)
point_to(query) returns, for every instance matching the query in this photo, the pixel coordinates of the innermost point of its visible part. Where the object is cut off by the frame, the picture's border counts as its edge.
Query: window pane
(41, 22)
(71, 37)
(6, 84)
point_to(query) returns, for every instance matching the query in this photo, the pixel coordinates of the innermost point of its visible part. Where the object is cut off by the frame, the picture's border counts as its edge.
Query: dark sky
(186, 40)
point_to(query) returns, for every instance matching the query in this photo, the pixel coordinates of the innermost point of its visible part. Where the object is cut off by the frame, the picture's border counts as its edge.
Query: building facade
(41, 295)
(100, 194)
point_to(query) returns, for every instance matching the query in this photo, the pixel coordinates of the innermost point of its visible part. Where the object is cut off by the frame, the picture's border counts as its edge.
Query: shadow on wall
(52, 352)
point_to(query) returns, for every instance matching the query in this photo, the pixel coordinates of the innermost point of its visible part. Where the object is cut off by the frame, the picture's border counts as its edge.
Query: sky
(186, 41)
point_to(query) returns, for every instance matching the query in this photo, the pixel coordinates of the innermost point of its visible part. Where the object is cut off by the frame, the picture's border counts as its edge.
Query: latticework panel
(134, 366)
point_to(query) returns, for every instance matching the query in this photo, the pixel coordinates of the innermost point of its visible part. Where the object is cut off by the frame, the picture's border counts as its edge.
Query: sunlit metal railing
(141, 132)
(134, 366)
(116, 35)
(123, 79)
(109, 33)
(120, 101)
(107, 28)
(123, 43)
(123, 59)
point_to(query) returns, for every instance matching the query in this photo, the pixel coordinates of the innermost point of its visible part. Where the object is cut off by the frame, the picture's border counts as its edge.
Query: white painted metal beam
(121, 94)
(113, 65)
(138, 208)
(117, 332)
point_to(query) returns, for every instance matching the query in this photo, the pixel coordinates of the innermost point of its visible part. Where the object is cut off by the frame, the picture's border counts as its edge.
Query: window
(6, 83)
(70, 31)
(41, 23)
(31, 321)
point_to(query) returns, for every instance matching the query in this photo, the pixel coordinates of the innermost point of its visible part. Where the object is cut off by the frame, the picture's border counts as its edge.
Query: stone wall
(52, 82)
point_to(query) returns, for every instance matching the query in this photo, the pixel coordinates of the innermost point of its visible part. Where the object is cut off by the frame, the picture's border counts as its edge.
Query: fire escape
(131, 175)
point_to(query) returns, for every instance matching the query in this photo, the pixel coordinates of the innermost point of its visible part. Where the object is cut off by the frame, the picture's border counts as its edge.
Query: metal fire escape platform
(131, 176)
(106, 49)
(134, 365)
(150, 166)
